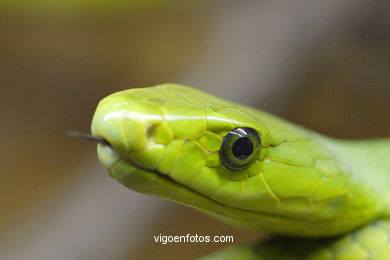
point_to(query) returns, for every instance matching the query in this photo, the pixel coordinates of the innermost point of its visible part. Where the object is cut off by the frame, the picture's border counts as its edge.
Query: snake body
(246, 167)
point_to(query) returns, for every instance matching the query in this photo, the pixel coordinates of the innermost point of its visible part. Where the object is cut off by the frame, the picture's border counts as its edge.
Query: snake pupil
(242, 148)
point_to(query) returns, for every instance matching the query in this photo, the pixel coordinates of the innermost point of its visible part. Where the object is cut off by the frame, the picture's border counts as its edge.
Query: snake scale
(323, 198)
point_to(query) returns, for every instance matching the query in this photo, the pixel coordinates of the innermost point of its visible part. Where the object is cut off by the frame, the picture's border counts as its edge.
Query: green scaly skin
(165, 141)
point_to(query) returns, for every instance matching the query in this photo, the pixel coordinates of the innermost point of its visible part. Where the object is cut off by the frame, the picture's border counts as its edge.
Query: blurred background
(322, 64)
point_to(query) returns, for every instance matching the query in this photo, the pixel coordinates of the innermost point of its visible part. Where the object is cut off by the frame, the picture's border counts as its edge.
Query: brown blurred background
(322, 64)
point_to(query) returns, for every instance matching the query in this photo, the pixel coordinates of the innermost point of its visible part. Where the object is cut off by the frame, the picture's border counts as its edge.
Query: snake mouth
(154, 183)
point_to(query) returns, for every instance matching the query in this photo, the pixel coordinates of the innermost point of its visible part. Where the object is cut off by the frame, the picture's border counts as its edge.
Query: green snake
(323, 198)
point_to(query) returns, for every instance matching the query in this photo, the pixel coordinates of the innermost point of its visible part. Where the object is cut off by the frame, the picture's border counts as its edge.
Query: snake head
(241, 165)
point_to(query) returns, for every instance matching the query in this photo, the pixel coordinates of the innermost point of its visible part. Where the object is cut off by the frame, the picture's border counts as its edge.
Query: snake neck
(367, 162)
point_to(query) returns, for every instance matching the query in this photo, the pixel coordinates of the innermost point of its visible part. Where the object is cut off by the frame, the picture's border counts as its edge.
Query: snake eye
(240, 148)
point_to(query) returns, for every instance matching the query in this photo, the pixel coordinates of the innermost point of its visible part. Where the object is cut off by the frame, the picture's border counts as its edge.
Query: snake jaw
(154, 183)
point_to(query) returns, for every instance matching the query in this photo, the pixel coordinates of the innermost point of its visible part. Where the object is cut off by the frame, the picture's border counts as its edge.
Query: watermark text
(165, 239)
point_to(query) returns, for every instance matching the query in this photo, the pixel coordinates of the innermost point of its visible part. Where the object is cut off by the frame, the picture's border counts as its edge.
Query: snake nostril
(151, 131)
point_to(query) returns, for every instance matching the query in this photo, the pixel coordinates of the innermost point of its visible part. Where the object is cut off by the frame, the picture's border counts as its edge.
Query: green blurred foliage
(68, 7)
